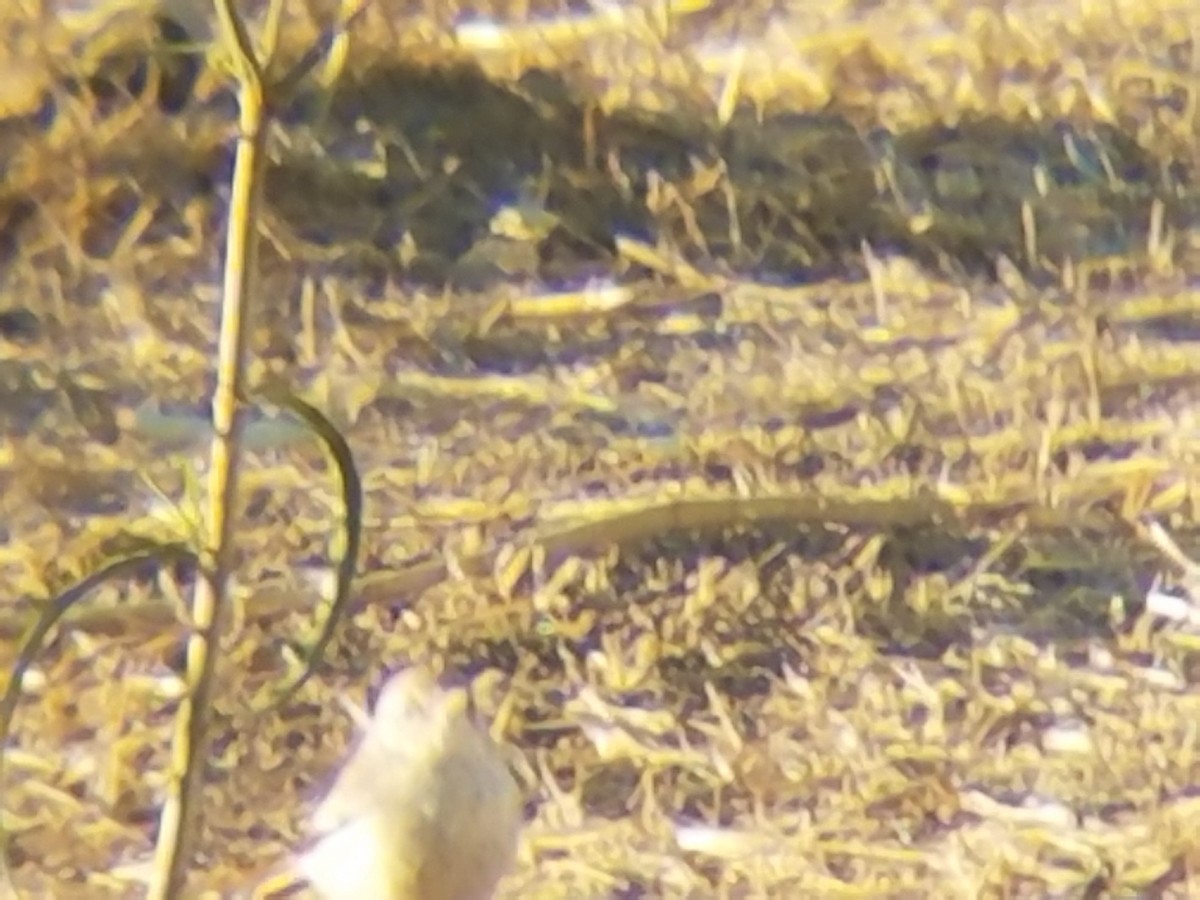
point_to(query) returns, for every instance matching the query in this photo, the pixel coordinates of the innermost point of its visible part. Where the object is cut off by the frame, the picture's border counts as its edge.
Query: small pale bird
(425, 809)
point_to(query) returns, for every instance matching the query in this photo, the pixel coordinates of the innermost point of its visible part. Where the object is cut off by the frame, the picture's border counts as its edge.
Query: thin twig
(176, 838)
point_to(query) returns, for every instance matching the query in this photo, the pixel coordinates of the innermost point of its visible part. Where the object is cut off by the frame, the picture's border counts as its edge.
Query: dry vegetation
(760, 404)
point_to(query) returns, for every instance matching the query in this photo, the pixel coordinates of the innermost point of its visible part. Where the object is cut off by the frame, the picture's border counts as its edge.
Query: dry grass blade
(33, 641)
(332, 48)
(178, 821)
(347, 550)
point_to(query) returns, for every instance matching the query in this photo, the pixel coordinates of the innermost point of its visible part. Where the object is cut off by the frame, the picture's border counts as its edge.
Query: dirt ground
(764, 407)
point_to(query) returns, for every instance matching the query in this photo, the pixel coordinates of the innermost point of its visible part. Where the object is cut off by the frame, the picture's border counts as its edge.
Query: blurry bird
(424, 809)
(509, 251)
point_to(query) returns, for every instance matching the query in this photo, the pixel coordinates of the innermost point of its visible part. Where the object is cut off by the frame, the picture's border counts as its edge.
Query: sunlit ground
(764, 407)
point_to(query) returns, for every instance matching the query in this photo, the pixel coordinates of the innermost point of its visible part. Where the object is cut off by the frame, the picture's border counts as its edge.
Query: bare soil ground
(760, 406)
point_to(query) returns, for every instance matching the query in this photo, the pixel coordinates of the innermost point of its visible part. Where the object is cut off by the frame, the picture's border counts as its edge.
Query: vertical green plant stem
(178, 824)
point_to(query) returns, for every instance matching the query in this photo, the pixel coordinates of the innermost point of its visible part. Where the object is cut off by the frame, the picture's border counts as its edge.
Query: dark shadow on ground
(402, 171)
